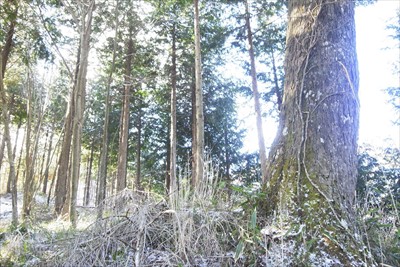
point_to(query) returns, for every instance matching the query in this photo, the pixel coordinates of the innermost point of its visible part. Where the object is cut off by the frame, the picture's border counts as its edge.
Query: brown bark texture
(124, 130)
(171, 185)
(79, 98)
(199, 122)
(312, 164)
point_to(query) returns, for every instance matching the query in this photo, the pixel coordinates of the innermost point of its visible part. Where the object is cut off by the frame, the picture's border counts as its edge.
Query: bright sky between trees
(377, 55)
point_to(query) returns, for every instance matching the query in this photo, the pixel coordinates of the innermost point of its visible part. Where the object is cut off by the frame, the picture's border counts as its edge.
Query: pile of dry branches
(141, 229)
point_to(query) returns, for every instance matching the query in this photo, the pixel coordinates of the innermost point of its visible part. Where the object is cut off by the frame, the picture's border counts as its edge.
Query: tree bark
(124, 130)
(4, 56)
(2, 147)
(28, 157)
(256, 96)
(123, 145)
(313, 162)
(193, 128)
(138, 145)
(79, 98)
(14, 153)
(86, 198)
(199, 123)
(6, 120)
(62, 182)
(172, 150)
(101, 190)
(48, 161)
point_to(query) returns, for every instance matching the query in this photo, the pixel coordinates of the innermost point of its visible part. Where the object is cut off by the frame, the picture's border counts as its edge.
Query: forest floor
(201, 228)
(136, 229)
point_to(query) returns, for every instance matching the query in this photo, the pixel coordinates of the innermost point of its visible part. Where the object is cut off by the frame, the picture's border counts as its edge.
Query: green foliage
(378, 177)
(250, 244)
(378, 191)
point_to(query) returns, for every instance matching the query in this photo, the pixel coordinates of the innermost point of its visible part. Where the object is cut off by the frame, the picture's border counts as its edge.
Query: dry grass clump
(144, 229)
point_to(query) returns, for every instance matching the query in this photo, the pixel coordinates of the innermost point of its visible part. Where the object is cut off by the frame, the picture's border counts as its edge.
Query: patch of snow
(285, 131)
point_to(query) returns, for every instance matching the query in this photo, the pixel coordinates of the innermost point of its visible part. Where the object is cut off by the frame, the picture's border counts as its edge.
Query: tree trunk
(48, 161)
(193, 158)
(124, 131)
(4, 55)
(172, 150)
(256, 96)
(101, 190)
(139, 144)
(6, 121)
(42, 162)
(278, 91)
(86, 198)
(62, 182)
(29, 163)
(14, 153)
(79, 98)
(2, 147)
(313, 162)
(199, 123)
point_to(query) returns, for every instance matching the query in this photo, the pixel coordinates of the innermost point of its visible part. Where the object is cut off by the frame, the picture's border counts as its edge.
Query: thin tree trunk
(124, 130)
(101, 190)
(138, 145)
(29, 163)
(278, 91)
(193, 158)
(79, 98)
(199, 152)
(14, 153)
(172, 150)
(48, 161)
(42, 162)
(6, 120)
(227, 157)
(2, 147)
(312, 170)
(256, 96)
(89, 176)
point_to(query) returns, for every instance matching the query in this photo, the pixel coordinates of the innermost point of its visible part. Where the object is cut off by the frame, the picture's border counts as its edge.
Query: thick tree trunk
(62, 182)
(79, 98)
(199, 123)
(256, 96)
(313, 164)
(61, 189)
(172, 142)
(124, 130)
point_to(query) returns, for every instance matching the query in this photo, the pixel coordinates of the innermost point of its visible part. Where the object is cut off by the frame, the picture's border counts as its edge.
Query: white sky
(377, 55)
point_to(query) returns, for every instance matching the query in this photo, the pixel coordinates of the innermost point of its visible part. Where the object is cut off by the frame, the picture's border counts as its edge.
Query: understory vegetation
(208, 226)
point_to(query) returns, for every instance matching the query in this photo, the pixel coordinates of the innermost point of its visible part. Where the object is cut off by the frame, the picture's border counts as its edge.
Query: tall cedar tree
(313, 162)
(198, 96)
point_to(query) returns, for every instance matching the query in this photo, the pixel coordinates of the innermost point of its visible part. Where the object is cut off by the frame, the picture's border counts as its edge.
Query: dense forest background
(121, 141)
